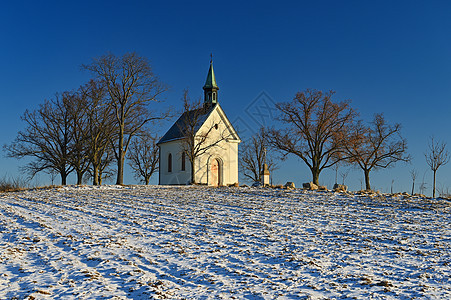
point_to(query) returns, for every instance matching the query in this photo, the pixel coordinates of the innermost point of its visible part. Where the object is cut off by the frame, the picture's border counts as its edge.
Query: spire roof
(210, 83)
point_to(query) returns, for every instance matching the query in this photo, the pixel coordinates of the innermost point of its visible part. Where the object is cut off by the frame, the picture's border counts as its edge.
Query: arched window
(170, 162)
(183, 161)
(214, 96)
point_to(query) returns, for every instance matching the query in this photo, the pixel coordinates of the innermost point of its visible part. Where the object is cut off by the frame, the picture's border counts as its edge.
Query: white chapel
(218, 164)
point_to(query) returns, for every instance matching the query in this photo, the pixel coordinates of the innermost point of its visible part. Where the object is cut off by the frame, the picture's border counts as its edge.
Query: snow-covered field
(221, 243)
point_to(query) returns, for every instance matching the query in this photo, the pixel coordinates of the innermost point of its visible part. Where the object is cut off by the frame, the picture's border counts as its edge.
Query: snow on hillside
(221, 243)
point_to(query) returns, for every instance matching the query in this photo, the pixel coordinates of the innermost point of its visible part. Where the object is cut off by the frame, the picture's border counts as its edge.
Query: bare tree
(198, 136)
(335, 168)
(100, 128)
(314, 129)
(143, 156)
(79, 146)
(52, 174)
(344, 175)
(131, 86)
(377, 146)
(436, 157)
(413, 175)
(254, 155)
(443, 191)
(423, 185)
(104, 167)
(46, 138)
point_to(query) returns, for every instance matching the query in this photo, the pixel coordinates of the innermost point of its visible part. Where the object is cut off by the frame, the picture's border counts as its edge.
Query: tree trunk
(413, 187)
(367, 180)
(258, 173)
(95, 180)
(63, 177)
(192, 172)
(120, 169)
(79, 178)
(433, 185)
(147, 178)
(315, 175)
(121, 157)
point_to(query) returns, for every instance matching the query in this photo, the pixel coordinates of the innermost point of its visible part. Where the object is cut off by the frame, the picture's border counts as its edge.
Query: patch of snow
(140, 242)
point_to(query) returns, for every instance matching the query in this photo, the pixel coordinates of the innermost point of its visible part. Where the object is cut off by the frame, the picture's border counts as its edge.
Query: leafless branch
(131, 86)
(379, 145)
(436, 157)
(314, 131)
(254, 155)
(199, 137)
(143, 156)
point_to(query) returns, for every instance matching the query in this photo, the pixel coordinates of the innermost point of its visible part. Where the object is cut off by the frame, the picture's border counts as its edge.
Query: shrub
(12, 185)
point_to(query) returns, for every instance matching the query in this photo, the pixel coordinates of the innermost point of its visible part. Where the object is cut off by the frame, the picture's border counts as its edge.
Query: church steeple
(210, 87)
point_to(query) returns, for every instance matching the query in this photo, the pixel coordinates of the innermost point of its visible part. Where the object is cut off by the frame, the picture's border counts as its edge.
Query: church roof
(211, 80)
(178, 130)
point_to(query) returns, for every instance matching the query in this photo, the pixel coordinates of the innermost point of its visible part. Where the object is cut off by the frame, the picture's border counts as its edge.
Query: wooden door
(214, 173)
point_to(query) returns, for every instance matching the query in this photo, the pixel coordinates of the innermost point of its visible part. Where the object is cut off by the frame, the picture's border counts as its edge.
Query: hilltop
(196, 242)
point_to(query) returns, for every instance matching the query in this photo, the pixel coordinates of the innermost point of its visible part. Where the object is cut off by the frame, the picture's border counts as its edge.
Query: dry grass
(12, 185)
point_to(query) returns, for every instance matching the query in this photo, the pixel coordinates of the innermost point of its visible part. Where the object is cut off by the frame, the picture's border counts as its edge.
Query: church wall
(224, 155)
(233, 163)
(226, 152)
(177, 176)
(227, 155)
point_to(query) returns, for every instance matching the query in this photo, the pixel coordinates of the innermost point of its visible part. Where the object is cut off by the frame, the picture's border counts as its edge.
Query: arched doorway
(215, 172)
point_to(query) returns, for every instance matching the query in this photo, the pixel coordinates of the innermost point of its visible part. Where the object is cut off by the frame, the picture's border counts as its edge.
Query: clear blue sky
(385, 56)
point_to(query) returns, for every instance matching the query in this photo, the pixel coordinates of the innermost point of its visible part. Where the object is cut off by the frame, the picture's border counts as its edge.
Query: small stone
(257, 184)
(290, 185)
(340, 188)
(309, 186)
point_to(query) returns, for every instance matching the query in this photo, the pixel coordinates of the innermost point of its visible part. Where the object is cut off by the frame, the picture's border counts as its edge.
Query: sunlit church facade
(219, 164)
